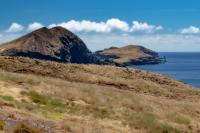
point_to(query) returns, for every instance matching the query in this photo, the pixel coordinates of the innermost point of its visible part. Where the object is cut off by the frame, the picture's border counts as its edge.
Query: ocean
(183, 66)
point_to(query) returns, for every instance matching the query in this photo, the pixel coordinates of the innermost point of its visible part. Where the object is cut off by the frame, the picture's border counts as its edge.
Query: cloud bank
(111, 25)
(90, 26)
(108, 26)
(138, 26)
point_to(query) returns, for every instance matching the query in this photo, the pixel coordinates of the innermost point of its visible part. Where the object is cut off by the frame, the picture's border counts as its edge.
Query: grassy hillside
(40, 96)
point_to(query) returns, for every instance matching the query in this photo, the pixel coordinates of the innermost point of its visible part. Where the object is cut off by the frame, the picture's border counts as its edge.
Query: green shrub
(50, 103)
(100, 112)
(7, 98)
(37, 98)
(149, 121)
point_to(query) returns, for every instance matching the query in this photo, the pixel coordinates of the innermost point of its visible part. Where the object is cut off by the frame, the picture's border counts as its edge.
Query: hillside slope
(53, 97)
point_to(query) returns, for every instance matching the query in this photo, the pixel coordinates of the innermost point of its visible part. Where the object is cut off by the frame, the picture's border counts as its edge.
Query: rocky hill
(56, 44)
(130, 55)
(48, 97)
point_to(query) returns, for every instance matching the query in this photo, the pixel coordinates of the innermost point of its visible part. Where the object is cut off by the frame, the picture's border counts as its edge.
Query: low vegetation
(150, 122)
(25, 129)
(2, 125)
(7, 98)
(48, 103)
(95, 99)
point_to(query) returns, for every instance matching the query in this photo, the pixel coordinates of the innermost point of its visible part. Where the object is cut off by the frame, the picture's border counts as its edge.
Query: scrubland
(39, 96)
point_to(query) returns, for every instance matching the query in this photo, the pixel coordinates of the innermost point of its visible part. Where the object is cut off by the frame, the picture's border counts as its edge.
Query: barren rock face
(57, 44)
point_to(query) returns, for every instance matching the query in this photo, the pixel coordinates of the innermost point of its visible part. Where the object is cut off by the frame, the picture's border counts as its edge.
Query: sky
(161, 25)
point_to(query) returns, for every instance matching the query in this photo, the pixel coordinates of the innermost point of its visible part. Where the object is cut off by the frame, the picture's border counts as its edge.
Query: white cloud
(138, 26)
(34, 26)
(52, 25)
(15, 27)
(190, 30)
(84, 26)
(111, 25)
(116, 24)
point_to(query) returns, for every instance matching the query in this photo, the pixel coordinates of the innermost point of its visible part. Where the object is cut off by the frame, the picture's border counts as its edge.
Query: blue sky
(161, 25)
(171, 13)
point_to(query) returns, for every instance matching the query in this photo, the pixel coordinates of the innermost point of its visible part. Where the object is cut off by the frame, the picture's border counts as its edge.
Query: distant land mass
(61, 45)
(131, 55)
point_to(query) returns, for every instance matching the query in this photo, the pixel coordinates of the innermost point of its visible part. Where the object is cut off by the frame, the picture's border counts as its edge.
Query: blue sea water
(182, 66)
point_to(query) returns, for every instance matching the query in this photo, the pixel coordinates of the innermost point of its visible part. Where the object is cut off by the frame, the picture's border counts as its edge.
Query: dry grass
(120, 78)
(2, 125)
(99, 98)
(25, 129)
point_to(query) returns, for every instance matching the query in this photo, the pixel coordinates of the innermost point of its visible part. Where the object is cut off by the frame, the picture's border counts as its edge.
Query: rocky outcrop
(130, 55)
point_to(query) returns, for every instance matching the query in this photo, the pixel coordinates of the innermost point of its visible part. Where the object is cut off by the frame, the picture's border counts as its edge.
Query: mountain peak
(42, 30)
(58, 44)
(55, 30)
(58, 28)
